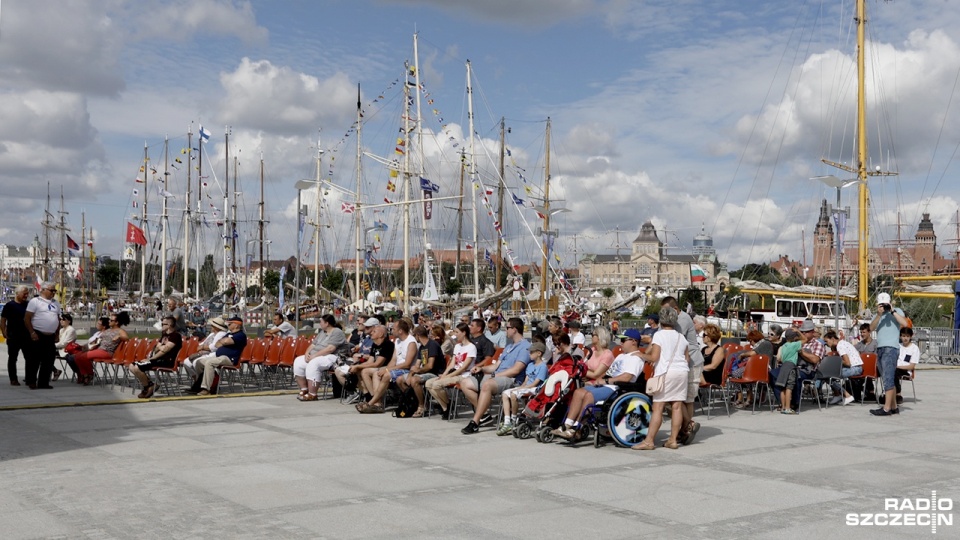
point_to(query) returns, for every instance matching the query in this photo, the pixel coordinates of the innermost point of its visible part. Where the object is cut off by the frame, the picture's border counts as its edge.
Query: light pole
(835, 182)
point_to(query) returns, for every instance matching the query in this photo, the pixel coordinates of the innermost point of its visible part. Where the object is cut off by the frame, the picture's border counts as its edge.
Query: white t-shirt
(464, 353)
(844, 347)
(908, 355)
(625, 363)
(670, 342)
(401, 348)
(577, 338)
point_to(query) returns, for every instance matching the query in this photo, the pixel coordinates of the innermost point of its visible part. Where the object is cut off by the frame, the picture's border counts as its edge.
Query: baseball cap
(235, 319)
(631, 333)
(370, 322)
(883, 298)
(538, 347)
(807, 326)
(654, 317)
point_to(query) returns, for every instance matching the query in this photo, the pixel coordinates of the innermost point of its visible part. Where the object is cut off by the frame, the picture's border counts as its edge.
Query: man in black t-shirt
(380, 353)
(430, 364)
(163, 355)
(14, 331)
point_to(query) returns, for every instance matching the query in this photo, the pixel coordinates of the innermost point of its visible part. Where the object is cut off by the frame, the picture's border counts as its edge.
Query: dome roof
(648, 233)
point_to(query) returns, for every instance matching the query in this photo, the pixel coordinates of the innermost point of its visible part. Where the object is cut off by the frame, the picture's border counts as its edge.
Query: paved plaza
(268, 466)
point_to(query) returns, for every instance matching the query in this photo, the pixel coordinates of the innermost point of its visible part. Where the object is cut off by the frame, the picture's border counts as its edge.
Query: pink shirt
(605, 358)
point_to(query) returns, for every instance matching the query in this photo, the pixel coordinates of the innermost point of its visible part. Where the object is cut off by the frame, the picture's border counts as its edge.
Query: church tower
(925, 247)
(823, 244)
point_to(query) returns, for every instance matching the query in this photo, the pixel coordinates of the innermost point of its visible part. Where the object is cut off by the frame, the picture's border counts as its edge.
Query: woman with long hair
(110, 339)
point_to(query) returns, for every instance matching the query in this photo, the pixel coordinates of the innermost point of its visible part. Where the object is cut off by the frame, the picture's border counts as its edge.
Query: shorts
(424, 377)
(693, 383)
(153, 364)
(887, 366)
(520, 392)
(503, 384)
(600, 393)
(787, 378)
(397, 373)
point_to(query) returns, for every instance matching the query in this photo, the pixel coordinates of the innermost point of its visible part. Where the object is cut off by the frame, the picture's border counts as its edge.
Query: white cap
(883, 298)
(371, 322)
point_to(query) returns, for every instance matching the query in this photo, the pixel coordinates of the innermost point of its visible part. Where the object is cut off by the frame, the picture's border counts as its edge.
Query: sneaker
(788, 411)
(836, 400)
(203, 392)
(445, 414)
(882, 412)
(848, 400)
(353, 398)
(692, 430)
(486, 420)
(564, 432)
(505, 429)
(470, 428)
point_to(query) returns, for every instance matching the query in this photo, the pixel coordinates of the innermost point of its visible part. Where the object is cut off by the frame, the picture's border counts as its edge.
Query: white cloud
(201, 19)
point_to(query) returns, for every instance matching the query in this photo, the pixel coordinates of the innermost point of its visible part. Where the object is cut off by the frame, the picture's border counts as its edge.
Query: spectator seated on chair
(626, 368)
(281, 328)
(430, 363)
(534, 376)
(758, 345)
(714, 356)
(377, 382)
(68, 340)
(227, 350)
(110, 339)
(320, 357)
(852, 365)
(495, 334)
(163, 355)
(464, 355)
(785, 374)
(341, 384)
(485, 348)
(381, 352)
(907, 361)
(507, 371)
(577, 339)
(207, 347)
(811, 353)
(102, 324)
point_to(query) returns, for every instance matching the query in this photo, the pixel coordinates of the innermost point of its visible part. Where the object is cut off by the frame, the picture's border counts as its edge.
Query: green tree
(453, 287)
(695, 296)
(271, 281)
(208, 277)
(607, 292)
(109, 274)
(333, 280)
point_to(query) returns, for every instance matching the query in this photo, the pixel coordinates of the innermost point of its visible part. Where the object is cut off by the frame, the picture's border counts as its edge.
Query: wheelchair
(624, 417)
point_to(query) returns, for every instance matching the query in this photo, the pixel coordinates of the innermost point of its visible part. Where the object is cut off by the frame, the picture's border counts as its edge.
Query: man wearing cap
(812, 351)
(688, 330)
(218, 329)
(887, 323)
(280, 328)
(625, 369)
(227, 350)
(653, 324)
(507, 372)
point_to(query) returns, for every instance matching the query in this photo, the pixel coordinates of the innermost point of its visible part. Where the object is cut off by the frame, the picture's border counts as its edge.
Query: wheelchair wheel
(545, 435)
(629, 418)
(522, 431)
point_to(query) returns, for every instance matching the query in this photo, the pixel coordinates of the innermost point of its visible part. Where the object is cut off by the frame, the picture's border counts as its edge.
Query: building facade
(650, 265)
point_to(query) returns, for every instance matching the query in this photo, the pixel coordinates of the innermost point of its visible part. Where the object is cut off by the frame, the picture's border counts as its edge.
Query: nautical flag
(136, 192)
(517, 200)
(488, 191)
(388, 201)
(204, 134)
(488, 257)
(394, 173)
(283, 273)
(37, 283)
(391, 186)
(139, 180)
(73, 247)
(697, 273)
(469, 246)
(163, 193)
(135, 235)
(379, 226)
(427, 185)
(427, 205)
(347, 208)
(80, 273)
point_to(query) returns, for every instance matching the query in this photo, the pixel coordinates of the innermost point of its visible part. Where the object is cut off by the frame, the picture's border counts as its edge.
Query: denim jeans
(887, 366)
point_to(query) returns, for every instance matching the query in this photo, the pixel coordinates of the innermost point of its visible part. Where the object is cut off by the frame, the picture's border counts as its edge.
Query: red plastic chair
(756, 373)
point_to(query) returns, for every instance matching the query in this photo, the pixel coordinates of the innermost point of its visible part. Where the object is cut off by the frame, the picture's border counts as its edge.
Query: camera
(887, 307)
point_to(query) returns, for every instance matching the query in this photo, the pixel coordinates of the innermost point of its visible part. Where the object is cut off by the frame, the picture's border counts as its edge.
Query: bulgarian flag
(697, 273)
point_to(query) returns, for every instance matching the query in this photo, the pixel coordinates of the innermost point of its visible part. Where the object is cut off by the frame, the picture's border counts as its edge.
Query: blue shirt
(513, 353)
(536, 372)
(233, 351)
(888, 329)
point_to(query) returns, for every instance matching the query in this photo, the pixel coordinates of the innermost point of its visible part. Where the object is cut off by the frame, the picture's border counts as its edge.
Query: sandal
(307, 397)
(418, 413)
(303, 392)
(671, 445)
(644, 446)
(371, 409)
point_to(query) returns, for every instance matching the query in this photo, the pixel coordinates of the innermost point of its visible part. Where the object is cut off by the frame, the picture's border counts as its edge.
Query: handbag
(655, 384)
(72, 348)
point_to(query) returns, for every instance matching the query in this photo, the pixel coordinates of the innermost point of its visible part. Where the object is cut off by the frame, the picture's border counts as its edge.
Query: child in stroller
(546, 409)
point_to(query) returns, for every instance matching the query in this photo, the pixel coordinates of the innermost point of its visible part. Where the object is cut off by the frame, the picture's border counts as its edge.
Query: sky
(687, 113)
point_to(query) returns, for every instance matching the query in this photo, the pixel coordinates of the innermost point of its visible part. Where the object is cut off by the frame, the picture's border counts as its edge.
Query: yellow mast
(863, 245)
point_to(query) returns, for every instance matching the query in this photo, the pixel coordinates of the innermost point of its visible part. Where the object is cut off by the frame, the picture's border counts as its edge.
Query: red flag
(135, 235)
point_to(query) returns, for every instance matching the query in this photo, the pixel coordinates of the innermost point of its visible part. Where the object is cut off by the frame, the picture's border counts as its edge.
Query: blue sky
(686, 113)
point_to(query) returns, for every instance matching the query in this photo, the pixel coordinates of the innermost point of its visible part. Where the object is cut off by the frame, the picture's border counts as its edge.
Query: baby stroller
(545, 410)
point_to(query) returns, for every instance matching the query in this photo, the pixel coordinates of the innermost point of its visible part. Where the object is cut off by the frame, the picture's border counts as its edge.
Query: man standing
(14, 332)
(164, 355)
(42, 321)
(227, 350)
(687, 329)
(497, 336)
(173, 310)
(887, 323)
(507, 372)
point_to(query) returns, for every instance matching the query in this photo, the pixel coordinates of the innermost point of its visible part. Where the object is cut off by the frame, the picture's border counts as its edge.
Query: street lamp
(834, 182)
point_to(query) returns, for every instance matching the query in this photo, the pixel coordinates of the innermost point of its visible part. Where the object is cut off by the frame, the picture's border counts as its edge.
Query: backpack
(407, 405)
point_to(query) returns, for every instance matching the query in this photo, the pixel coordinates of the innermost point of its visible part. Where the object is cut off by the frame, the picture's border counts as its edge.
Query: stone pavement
(268, 466)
